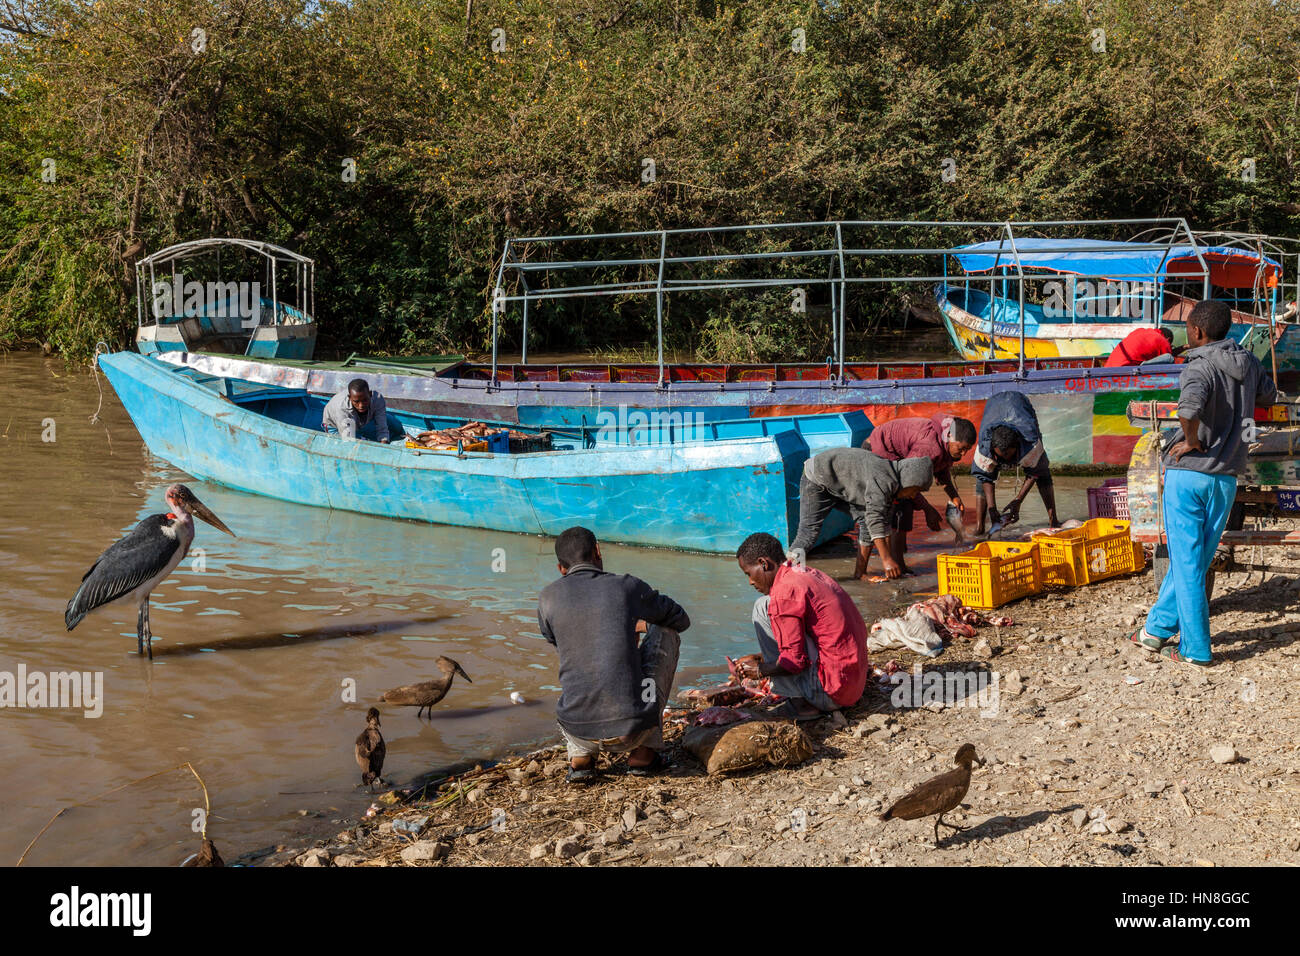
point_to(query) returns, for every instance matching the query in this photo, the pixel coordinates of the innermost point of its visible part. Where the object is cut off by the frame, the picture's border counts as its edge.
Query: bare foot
(641, 757)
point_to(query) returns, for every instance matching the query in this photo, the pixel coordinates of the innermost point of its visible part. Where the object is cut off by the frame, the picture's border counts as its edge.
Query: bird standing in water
(128, 571)
(427, 694)
(938, 795)
(371, 749)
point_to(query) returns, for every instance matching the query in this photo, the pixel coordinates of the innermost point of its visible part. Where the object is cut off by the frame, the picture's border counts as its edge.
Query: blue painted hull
(703, 495)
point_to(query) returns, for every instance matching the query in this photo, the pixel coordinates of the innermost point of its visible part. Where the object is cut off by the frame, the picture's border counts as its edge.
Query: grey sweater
(1221, 384)
(590, 616)
(341, 416)
(868, 483)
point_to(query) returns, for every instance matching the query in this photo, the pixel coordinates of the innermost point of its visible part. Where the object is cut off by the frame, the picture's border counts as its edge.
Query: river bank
(1096, 753)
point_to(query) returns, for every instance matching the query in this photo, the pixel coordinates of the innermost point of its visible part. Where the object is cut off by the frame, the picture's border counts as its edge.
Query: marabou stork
(129, 571)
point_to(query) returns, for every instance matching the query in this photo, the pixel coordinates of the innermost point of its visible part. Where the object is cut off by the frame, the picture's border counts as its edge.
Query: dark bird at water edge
(938, 795)
(371, 749)
(427, 694)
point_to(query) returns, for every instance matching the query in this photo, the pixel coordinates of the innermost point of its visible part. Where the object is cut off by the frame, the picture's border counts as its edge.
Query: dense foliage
(458, 145)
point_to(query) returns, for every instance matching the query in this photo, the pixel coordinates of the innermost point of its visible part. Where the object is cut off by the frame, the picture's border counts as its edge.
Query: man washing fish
(1010, 436)
(869, 488)
(945, 440)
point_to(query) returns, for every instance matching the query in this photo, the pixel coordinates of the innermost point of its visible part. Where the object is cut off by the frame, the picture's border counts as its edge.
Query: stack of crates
(994, 573)
(1100, 549)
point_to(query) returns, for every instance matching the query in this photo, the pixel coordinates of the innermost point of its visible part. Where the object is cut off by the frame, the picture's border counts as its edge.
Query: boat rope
(207, 805)
(100, 347)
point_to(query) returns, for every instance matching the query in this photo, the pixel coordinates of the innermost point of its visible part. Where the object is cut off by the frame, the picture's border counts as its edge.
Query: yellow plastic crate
(1099, 549)
(991, 574)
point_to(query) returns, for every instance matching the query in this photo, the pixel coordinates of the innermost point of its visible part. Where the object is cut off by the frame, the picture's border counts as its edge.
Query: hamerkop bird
(427, 694)
(371, 749)
(938, 795)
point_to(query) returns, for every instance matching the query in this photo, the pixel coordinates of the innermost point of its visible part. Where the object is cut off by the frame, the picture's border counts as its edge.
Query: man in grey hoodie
(867, 487)
(612, 691)
(1219, 388)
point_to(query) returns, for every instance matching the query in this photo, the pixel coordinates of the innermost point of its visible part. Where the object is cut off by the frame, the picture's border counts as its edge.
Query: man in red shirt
(1142, 345)
(811, 637)
(942, 438)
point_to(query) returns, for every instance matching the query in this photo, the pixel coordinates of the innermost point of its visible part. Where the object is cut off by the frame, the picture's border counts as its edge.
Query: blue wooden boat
(702, 488)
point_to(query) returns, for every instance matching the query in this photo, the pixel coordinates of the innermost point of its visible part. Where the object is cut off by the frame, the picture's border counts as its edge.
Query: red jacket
(1139, 346)
(805, 604)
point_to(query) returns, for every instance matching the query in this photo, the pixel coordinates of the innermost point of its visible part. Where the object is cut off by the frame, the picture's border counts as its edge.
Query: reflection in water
(271, 646)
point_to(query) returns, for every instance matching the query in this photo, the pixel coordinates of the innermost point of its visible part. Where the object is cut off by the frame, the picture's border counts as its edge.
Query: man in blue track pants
(1218, 390)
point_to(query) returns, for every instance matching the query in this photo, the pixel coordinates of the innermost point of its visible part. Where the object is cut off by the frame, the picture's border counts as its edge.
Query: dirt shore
(1097, 753)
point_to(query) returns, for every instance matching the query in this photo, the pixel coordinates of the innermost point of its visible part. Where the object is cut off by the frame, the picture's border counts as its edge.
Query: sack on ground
(749, 744)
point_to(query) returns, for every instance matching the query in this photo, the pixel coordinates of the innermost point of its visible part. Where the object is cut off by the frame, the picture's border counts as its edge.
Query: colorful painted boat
(1081, 407)
(704, 490)
(1083, 296)
(210, 312)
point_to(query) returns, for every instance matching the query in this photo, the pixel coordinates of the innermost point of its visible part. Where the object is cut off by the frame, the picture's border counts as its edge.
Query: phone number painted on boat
(1122, 383)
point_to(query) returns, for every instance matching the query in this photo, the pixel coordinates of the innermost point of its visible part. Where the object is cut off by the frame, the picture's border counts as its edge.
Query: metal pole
(839, 247)
(498, 302)
(659, 303)
(523, 349)
(1020, 274)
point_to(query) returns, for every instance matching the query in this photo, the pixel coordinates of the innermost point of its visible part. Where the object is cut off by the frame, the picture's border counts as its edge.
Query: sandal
(1173, 655)
(1148, 642)
(581, 775)
(788, 711)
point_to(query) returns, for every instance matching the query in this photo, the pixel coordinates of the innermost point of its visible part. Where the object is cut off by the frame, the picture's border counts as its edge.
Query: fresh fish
(953, 514)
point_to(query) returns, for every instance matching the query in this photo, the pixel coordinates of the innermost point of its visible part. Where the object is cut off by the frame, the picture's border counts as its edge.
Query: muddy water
(261, 639)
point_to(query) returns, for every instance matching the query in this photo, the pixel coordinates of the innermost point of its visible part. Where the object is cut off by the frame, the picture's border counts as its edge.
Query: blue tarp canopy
(1100, 258)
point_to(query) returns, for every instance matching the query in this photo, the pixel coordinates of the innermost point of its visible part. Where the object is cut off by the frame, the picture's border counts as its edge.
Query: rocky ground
(1098, 753)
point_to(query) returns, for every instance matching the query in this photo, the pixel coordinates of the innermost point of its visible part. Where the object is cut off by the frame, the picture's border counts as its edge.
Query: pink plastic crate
(1110, 500)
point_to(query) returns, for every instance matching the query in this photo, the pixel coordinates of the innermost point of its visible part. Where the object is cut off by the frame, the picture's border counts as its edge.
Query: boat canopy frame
(273, 256)
(520, 259)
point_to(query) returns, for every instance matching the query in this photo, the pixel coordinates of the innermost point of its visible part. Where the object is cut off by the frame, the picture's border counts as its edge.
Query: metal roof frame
(835, 252)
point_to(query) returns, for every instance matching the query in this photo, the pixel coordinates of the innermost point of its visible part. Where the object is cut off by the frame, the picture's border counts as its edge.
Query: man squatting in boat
(360, 413)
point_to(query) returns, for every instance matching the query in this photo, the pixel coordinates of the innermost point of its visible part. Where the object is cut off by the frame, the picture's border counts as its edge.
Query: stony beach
(1096, 753)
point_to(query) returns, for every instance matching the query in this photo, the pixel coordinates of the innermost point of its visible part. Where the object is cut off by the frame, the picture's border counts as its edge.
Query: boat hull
(700, 496)
(1081, 408)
